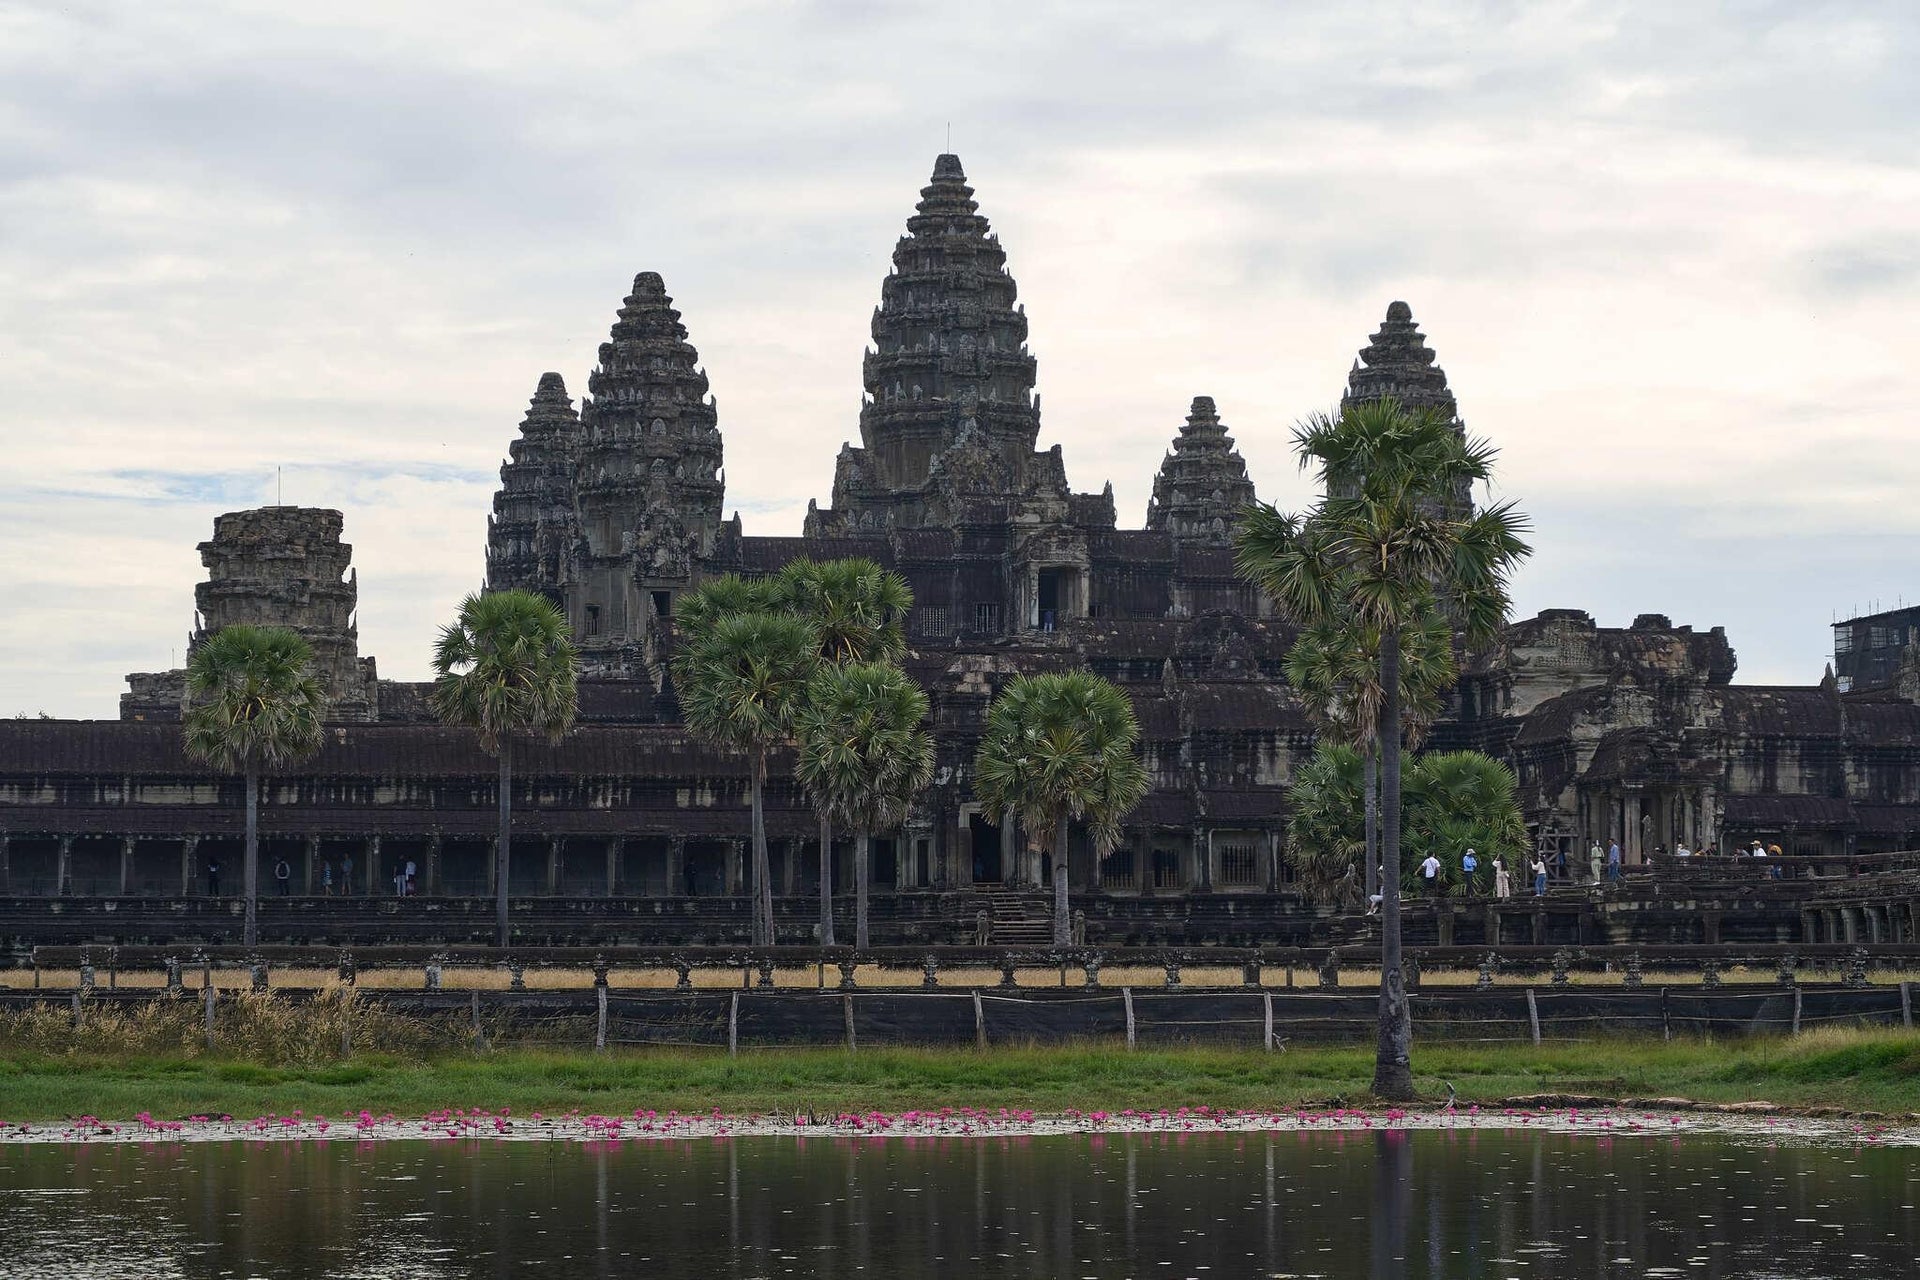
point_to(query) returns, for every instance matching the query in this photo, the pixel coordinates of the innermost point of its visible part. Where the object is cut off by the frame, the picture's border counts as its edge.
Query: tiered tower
(1202, 484)
(950, 418)
(275, 567)
(1398, 365)
(648, 486)
(533, 532)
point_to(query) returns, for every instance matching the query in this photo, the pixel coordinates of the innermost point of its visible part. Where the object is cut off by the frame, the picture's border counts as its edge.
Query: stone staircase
(1020, 919)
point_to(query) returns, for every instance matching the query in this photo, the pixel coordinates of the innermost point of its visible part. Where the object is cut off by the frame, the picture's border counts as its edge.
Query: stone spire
(532, 532)
(275, 567)
(1398, 365)
(1203, 484)
(648, 486)
(949, 411)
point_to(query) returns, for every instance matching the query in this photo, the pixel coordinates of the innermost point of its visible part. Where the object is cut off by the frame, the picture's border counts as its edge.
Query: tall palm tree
(254, 704)
(1060, 747)
(1336, 666)
(858, 610)
(505, 667)
(1384, 548)
(864, 755)
(742, 679)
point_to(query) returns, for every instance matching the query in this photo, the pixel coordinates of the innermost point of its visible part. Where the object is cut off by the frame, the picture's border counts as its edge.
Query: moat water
(1465, 1204)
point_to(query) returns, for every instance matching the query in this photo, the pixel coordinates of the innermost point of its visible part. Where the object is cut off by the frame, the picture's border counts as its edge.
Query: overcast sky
(1668, 255)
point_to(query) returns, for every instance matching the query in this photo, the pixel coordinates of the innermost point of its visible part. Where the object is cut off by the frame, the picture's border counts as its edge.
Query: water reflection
(1380, 1203)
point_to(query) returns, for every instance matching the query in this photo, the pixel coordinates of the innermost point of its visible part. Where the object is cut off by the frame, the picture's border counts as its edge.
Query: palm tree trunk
(1371, 783)
(861, 847)
(762, 886)
(503, 846)
(826, 881)
(1062, 925)
(1392, 1067)
(250, 874)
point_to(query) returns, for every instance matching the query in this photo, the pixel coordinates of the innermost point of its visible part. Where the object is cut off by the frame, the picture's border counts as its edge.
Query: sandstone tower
(1203, 484)
(279, 567)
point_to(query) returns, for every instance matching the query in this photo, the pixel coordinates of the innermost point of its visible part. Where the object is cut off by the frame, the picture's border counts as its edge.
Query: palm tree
(1459, 800)
(505, 666)
(1336, 666)
(742, 679)
(255, 704)
(864, 755)
(1385, 548)
(858, 610)
(1060, 747)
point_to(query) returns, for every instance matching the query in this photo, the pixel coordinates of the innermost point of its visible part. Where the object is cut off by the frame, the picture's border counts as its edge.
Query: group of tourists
(405, 877)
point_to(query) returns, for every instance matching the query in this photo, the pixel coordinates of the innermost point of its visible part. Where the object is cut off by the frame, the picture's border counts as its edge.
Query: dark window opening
(986, 617)
(593, 619)
(663, 604)
(1049, 593)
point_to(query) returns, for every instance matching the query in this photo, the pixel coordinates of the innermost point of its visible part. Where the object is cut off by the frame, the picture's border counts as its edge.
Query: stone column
(736, 870)
(370, 856)
(616, 852)
(790, 860)
(1273, 861)
(676, 866)
(553, 864)
(1143, 865)
(62, 867)
(189, 850)
(433, 869)
(312, 857)
(493, 866)
(126, 865)
(1203, 859)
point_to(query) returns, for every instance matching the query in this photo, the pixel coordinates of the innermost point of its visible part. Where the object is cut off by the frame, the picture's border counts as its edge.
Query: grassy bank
(1857, 1070)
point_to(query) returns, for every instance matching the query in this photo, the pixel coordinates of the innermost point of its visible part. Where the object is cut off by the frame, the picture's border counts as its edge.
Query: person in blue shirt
(1468, 865)
(1613, 862)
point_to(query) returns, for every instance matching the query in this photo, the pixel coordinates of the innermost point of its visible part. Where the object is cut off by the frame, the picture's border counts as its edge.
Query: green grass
(1856, 1070)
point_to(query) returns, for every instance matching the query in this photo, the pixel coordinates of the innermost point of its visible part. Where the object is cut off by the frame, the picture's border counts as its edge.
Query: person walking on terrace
(326, 878)
(1468, 865)
(213, 877)
(1431, 870)
(1539, 877)
(283, 877)
(1594, 857)
(1613, 862)
(1502, 882)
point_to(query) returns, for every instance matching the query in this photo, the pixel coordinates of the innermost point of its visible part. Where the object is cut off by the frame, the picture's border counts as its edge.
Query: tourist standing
(346, 875)
(283, 877)
(410, 888)
(1502, 882)
(399, 879)
(213, 877)
(1613, 862)
(326, 878)
(1468, 865)
(1539, 876)
(1594, 857)
(1431, 870)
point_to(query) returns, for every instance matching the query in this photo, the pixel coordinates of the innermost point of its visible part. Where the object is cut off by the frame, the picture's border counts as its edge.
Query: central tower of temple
(949, 417)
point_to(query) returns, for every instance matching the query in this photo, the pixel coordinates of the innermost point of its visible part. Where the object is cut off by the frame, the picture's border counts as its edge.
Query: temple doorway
(988, 865)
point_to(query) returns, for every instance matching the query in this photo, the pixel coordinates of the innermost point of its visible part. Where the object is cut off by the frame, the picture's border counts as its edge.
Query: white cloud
(1665, 256)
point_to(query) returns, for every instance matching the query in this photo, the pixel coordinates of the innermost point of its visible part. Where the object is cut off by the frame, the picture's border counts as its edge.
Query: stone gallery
(614, 507)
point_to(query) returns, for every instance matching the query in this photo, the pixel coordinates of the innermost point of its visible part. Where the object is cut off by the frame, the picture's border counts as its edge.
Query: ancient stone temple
(1202, 485)
(276, 566)
(1633, 733)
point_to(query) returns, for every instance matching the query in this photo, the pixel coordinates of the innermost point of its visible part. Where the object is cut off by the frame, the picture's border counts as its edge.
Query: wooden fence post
(846, 1007)
(1126, 998)
(1533, 1015)
(1906, 1005)
(979, 1021)
(733, 1026)
(1796, 1009)
(1666, 1017)
(207, 998)
(600, 1028)
(479, 1036)
(1266, 1035)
